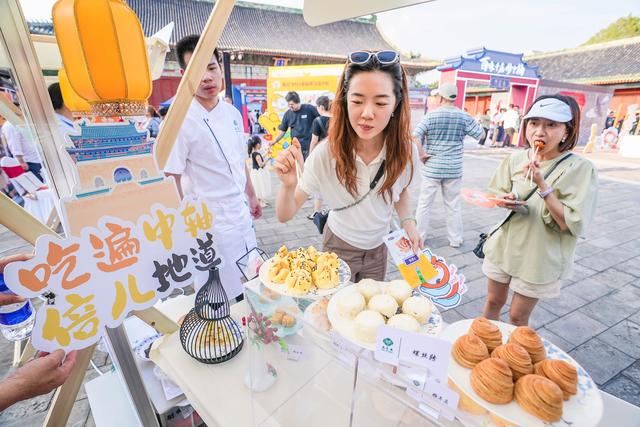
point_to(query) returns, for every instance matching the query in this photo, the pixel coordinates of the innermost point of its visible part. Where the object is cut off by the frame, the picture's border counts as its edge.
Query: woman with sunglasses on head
(532, 250)
(364, 170)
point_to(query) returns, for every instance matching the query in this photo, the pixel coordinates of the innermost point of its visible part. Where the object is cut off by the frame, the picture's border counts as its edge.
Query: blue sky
(446, 28)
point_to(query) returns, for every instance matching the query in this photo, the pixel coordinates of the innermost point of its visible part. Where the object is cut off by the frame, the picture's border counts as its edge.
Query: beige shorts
(532, 290)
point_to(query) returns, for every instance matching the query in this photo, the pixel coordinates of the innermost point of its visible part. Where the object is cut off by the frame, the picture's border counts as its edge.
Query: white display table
(327, 387)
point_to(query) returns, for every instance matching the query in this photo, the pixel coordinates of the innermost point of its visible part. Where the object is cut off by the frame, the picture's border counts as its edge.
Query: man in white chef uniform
(210, 151)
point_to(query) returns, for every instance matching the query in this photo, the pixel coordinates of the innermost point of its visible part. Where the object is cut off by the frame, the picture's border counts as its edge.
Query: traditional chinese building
(255, 38)
(111, 159)
(613, 65)
(107, 154)
(480, 72)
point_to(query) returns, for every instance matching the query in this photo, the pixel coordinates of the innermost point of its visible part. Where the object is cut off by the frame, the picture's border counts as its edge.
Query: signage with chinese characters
(499, 82)
(95, 280)
(491, 62)
(394, 346)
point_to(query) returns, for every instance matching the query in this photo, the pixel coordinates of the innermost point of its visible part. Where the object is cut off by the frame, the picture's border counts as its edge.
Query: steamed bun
(368, 288)
(399, 290)
(366, 325)
(404, 322)
(351, 304)
(418, 307)
(383, 304)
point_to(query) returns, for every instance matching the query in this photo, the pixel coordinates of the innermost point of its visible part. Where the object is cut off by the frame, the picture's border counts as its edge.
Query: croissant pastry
(492, 380)
(540, 397)
(468, 350)
(530, 341)
(516, 357)
(563, 373)
(487, 331)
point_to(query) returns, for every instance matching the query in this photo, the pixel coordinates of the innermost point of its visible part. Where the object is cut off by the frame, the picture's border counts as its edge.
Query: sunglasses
(384, 57)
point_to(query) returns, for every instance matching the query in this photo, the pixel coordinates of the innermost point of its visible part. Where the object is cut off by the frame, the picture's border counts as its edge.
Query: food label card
(443, 395)
(388, 341)
(428, 352)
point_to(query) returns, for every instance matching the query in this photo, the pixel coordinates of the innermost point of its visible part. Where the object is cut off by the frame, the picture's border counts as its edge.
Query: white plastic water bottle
(16, 320)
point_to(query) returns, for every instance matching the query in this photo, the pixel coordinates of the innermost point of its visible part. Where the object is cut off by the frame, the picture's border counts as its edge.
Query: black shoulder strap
(377, 177)
(373, 184)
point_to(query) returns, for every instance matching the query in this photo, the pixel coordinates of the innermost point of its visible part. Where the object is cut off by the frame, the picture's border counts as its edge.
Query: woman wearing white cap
(533, 249)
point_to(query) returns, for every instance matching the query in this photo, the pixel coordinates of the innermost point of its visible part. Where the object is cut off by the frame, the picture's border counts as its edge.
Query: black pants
(35, 169)
(484, 138)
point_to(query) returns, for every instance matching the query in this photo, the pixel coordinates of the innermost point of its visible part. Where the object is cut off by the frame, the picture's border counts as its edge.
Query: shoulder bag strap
(546, 175)
(373, 184)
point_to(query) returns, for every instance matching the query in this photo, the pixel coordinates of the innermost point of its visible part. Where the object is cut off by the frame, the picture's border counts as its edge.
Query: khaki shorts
(531, 290)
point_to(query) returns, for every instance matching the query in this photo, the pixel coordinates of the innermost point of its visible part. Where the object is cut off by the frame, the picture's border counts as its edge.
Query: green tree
(624, 27)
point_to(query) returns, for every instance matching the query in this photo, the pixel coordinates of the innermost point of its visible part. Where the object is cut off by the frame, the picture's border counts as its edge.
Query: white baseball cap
(551, 109)
(447, 91)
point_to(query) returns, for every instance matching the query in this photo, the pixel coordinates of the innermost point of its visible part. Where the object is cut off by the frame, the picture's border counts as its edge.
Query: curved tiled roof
(613, 62)
(262, 29)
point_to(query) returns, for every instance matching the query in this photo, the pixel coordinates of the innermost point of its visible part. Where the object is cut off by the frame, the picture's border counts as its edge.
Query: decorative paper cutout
(111, 270)
(445, 289)
(478, 198)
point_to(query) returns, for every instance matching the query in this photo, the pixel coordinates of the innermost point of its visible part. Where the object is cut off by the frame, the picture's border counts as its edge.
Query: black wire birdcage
(208, 333)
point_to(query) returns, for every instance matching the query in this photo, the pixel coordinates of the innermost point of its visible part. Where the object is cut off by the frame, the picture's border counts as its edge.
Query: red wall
(163, 89)
(622, 98)
(477, 104)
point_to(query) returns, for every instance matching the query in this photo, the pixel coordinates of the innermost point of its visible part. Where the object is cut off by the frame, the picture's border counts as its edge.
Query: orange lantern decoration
(72, 100)
(104, 54)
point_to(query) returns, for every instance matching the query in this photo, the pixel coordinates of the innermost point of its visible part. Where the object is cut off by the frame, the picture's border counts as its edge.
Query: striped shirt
(441, 133)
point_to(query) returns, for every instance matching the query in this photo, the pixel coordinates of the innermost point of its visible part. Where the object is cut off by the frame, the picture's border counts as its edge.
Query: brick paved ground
(597, 319)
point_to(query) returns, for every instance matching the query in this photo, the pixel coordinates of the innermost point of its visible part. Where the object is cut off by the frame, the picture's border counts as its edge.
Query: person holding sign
(39, 376)
(365, 169)
(533, 249)
(210, 152)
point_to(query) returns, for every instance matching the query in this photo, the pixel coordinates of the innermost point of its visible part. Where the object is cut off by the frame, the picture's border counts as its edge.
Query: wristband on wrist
(545, 193)
(409, 218)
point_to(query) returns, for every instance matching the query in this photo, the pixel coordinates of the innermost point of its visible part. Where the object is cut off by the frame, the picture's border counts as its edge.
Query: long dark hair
(253, 143)
(342, 137)
(573, 126)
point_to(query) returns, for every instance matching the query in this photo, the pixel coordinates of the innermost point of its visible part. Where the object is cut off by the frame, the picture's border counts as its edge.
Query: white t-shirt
(510, 119)
(210, 151)
(19, 145)
(364, 225)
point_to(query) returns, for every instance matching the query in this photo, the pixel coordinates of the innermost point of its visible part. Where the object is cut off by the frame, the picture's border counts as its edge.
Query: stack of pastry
(530, 341)
(516, 357)
(304, 269)
(487, 331)
(469, 350)
(541, 384)
(540, 397)
(563, 373)
(492, 380)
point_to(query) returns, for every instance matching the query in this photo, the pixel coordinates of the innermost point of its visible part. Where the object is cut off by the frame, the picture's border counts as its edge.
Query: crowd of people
(358, 157)
(500, 126)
